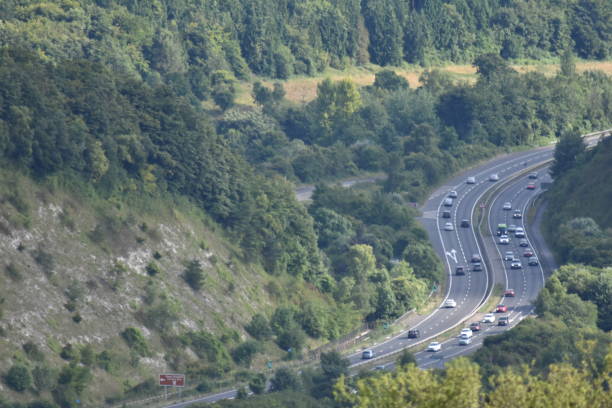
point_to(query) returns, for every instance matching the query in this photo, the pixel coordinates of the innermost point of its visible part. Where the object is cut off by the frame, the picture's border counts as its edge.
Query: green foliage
(259, 327)
(258, 384)
(194, 275)
(567, 151)
(284, 379)
(333, 365)
(153, 268)
(136, 341)
(243, 354)
(208, 348)
(33, 352)
(18, 378)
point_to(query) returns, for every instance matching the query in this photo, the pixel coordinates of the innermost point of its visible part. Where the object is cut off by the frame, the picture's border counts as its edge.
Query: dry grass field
(304, 89)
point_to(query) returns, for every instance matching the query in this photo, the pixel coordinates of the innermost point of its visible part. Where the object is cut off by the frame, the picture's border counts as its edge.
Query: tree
(259, 327)
(567, 151)
(389, 80)
(258, 383)
(490, 65)
(194, 275)
(284, 379)
(406, 358)
(568, 64)
(18, 378)
(334, 365)
(223, 89)
(244, 353)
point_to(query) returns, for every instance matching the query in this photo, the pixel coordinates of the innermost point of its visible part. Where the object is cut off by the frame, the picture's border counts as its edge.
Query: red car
(531, 186)
(528, 253)
(475, 326)
(501, 309)
(509, 293)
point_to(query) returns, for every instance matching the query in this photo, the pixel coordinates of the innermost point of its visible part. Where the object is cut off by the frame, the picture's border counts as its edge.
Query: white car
(504, 240)
(466, 332)
(507, 206)
(464, 341)
(471, 180)
(434, 346)
(519, 232)
(449, 226)
(493, 177)
(489, 318)
(450, 303)
(508, 256)
(515, 265)
(452, 194)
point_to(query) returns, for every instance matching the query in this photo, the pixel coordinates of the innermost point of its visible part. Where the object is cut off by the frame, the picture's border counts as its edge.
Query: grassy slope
(36, 218)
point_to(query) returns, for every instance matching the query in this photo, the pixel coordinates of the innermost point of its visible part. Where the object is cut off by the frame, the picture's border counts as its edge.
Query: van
(367, 354)
(448, 202)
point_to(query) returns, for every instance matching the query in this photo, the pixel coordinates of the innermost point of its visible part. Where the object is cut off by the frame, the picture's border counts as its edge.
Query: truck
(502, 229)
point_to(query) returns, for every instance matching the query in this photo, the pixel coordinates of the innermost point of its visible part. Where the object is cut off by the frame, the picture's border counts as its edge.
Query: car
(475, 258)
(494, 177)
(528, 253)
(517, 214)
(450, 303)
(519, 232)
(434, 346)
(475, 326)
(489, 318)
(446, 214)
(414, 334)
(448, 202)
(466, 332)
(533, 175)
(452, 194)
(471, 180)
(448, 226)
(504, 240)
(367, 354)
(501, 309)
(523, 243)
(460, 270)
(531, 186)
(464, 341)
(477, 267)
(533, 261)
(380, 367)
(511, 228)
(515, 265)
(465, 223)
(503, 321)
(516, 259)
(509, 293)
(508, 256)
(507, 206)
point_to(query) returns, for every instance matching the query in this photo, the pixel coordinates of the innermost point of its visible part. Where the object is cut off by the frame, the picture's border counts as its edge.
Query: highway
(457, 246)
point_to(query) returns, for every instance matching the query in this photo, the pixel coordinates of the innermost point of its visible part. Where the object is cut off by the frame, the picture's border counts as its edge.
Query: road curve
(456, 247)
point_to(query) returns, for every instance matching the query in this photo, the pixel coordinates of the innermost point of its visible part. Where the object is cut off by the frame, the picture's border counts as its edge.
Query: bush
(18, 378)
(258, 384)
(153, 269)
(292, 339)
(194, 275)
(259, 327)
(136, 341)
(244, 353)
(284, 379)
(33, 352)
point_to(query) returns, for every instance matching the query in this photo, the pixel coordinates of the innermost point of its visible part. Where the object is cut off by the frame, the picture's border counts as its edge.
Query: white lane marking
(452, 254)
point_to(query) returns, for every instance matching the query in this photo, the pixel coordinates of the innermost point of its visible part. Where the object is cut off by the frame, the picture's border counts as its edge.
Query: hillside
(578, 220)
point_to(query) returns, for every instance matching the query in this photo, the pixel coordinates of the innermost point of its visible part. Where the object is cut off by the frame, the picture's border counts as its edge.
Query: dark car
(509, 293)
(460, 270)
(533, 261)
(523, 243)
(476, 258)
(414, 334)
(477, 267)
(503, 321)
(533, 175)
(475, 326)
(465, 223)
(446, 214)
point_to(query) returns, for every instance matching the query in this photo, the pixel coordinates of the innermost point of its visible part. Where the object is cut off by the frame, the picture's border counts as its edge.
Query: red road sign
(172, 380)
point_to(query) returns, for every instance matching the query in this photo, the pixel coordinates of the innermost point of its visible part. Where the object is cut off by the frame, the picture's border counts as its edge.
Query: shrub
(68, 352)
(259, 327)
(258, 383)
(13, 271)
(33, 352)
(135, 341)
(194, 275)
(45, 260)
(18, 378)
(244, 353)
(153, 269)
